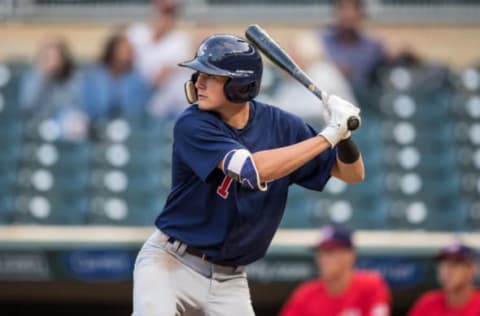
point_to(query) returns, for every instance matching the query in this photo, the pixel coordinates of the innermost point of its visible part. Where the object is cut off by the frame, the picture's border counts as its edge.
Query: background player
(233, 161)
(456, 273)
(340, 290)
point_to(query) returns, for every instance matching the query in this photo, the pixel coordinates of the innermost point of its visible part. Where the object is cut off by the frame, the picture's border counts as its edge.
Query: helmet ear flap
(190, 90)
(239, 91)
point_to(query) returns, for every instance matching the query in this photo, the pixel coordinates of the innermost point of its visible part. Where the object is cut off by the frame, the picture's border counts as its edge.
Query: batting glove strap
(332, 135)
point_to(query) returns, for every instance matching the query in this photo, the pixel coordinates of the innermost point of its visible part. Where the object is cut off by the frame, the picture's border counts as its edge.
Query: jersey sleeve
(201, 144)
(314, 174)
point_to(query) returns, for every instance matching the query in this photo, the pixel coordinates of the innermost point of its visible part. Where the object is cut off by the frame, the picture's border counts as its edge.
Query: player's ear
(190, 90)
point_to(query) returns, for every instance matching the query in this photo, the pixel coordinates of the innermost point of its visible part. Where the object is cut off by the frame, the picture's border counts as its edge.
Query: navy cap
(456, 251)
(335, 236)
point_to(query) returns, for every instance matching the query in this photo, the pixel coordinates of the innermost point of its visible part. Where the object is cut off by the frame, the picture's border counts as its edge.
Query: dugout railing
(93, 265)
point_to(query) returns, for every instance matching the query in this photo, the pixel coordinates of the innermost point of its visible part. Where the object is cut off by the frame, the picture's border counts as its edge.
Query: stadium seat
(299, 210)
(6, 207)
(465, 112)
(52, 183)
(138, 210)
(128, 171)
(32, 207)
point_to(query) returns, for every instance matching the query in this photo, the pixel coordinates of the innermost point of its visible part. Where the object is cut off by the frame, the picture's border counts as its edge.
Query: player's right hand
(339, 111)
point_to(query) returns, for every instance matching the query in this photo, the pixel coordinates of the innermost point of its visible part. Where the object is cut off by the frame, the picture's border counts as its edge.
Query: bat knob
(353, 123)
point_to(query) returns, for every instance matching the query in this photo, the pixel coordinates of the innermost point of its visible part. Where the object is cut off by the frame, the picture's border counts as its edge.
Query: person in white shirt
(159, 47)
(308, 54)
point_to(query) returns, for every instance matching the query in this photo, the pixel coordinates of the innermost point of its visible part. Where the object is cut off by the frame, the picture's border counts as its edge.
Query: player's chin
(204, 105)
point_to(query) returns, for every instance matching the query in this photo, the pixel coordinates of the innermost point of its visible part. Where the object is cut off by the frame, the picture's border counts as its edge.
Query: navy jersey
(206, 209)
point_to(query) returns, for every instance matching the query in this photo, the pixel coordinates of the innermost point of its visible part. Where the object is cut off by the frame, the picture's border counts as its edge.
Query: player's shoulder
(476, 295)
(275, 113)
(193, 117)
(433, 297)
(429, 303)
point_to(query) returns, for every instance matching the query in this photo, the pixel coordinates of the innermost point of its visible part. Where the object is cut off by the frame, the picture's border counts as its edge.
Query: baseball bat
(270, 48)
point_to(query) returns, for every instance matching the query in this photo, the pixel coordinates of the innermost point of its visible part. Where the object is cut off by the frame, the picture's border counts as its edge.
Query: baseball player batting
(234, 159)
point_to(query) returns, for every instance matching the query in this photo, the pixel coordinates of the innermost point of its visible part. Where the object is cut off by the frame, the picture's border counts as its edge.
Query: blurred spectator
(356, 54)
(293, 97)
(112, 87)
(340, 290)
(50, 90)
(456, 274)
(158, 50)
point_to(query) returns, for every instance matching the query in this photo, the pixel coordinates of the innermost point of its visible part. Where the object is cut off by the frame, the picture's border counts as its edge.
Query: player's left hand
(339, 111)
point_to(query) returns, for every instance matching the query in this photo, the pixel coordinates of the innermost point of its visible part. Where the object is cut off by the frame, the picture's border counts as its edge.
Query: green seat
(9, 92)
(361, 205)
(138, 210)
(52, 183)
(299, 209)
(6, 208)
(50, 209)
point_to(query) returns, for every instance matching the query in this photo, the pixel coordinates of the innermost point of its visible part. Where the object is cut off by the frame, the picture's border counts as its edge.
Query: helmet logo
(202, 50)
(242, 73)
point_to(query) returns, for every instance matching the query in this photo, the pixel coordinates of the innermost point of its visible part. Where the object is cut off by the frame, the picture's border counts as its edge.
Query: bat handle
(353, 123)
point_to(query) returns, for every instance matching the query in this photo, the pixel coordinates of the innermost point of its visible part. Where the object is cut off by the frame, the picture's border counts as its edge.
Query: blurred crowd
(137, 71)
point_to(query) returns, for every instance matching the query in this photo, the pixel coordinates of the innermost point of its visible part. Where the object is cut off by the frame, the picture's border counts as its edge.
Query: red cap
(456, 251)
(335, 236)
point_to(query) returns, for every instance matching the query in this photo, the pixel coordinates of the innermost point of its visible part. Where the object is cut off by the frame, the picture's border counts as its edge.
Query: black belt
(191, 250)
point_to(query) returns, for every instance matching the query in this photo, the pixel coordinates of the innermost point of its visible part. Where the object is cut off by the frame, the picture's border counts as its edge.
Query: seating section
(129, 172)
(52, 183)
(465, 110)
(420, 142)
(10, 136)
(422, 182)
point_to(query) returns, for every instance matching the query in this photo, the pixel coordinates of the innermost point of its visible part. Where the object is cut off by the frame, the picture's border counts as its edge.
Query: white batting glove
(340, 111)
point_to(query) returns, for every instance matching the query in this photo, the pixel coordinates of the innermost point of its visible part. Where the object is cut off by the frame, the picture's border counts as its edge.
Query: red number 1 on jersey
(222, 190)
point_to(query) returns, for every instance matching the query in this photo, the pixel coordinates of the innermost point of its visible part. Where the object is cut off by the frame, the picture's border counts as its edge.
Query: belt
(192, 250)
(198, 260)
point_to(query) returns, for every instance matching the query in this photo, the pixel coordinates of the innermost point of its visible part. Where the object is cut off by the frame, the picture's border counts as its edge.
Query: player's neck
(236, 115)
(459, 297)
(339, 285)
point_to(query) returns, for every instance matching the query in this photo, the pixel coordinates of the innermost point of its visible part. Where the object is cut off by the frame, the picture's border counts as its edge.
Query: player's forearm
(349, 172)
(279, 162)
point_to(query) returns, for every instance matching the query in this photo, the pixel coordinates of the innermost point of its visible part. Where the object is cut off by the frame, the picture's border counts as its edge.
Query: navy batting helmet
(233, 57)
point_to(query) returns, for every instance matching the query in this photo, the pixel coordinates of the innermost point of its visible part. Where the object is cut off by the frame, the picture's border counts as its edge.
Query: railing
(221, 11)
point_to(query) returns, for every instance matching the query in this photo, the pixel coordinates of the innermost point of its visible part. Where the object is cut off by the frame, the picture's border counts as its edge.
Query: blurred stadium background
(74, 214)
